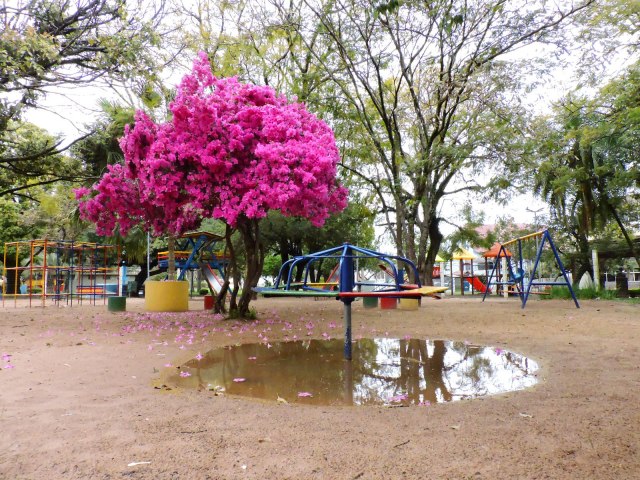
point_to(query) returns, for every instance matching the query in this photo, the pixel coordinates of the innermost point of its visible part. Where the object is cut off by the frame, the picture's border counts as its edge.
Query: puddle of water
(384, 371)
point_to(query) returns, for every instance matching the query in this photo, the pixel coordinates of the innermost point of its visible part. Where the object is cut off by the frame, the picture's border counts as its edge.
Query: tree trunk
(140, 277)
(254, 252)
(171, 258)
(219, 306)
(435, 240)
(625, 233)
(12, 285)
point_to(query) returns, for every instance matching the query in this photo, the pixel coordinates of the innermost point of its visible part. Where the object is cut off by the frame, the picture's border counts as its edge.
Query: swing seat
(518, 276)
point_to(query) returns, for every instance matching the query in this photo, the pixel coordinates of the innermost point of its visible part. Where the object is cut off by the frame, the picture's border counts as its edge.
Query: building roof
(463, 254)
(494, 250)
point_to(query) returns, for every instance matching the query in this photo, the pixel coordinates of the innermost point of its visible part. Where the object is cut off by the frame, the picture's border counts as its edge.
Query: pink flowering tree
(231, 151)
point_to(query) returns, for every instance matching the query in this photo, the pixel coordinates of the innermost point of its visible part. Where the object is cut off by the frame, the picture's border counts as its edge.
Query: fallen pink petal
(185, 374)
(399, 398)
(305, 394)
(239, 380)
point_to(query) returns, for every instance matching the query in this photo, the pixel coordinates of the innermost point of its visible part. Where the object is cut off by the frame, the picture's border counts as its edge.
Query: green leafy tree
(30, 158)
(102, 148)
(289, 237)
(49, 44)
(589, 170)
(429, 86)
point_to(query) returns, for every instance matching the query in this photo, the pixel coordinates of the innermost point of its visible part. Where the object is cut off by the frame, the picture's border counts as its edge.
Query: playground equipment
(60, 270)
(515, 274)
(493, 253)
(349, 288)
(465, 274)
(197, 251)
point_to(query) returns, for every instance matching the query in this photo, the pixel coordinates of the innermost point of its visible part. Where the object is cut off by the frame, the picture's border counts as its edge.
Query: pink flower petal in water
(8, 366)
(239, 380)
(498, 351)
(426, 403)
(252, 358)
(168, 365)
(185, 374)
(305, 394)
(199, 356)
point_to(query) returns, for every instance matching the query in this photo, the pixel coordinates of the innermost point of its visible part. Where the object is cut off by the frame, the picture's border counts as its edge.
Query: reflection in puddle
(384, 371)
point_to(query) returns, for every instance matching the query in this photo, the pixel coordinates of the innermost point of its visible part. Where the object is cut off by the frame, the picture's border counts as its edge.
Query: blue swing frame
(518, 279)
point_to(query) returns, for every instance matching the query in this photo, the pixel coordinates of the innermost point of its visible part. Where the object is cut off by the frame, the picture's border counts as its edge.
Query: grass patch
(582, 294)
(252, 314)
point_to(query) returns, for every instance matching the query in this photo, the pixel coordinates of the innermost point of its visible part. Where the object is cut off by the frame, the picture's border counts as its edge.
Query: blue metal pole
(493, 270)
(347, 281)
(535, 268)
(521, 272)
(564, 272)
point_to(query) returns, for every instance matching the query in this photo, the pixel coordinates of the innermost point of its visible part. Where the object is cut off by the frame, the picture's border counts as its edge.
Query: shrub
(582, 293)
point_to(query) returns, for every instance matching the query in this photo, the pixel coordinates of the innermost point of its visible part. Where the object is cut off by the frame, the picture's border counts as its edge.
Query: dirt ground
(77, 398)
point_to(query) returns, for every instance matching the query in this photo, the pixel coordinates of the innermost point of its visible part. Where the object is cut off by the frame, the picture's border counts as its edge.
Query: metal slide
(213, 279)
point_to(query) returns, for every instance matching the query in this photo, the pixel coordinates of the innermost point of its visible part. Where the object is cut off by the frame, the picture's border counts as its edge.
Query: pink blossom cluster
(230, 150)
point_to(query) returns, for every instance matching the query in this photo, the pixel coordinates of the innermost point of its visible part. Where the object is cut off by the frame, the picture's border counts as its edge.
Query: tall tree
(231, 151)
(589, 169)
(426, 84)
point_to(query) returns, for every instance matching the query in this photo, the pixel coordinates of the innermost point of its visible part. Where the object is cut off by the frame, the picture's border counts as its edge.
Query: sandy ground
(77, 398)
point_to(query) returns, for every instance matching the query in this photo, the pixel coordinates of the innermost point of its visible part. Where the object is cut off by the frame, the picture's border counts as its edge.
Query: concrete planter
(409, 303)
(168, 296)
(370, 302)
(388, 303)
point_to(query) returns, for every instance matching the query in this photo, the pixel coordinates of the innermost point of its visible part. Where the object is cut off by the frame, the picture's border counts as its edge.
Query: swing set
(515, 274)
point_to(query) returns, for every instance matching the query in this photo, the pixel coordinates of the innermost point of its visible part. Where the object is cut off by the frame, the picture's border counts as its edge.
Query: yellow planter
(409, 303)
(170, 296)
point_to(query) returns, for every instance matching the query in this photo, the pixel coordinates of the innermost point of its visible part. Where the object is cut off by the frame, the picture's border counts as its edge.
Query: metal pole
(596, 269)
(148, 254)
(346, 285)
(347, 331)
(535, 220)
(347, 370)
